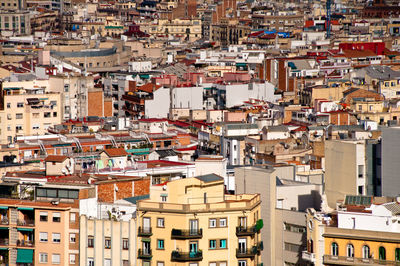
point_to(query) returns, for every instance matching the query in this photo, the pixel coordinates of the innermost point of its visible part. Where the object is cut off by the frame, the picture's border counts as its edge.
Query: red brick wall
(142, 187)
(95, 102)
(108, 111)
(282, 76)
(105, 192)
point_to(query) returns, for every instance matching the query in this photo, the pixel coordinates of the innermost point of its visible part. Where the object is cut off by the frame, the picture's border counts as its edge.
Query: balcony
(245, 231)
(186, 256)
(25, 222)
(246, 253)
(308, 256)
(186, 234)
(342, 260)
(4, 221)
(25, 243)
(4, 242)
(145, 231)
(145, 254)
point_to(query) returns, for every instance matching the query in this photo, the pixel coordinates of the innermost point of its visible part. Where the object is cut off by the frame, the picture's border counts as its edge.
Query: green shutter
(25, 256)
(145, 239)
(25, 229)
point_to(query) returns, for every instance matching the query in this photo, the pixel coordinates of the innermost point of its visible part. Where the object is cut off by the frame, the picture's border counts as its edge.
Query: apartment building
(28, 112)
(283, 205)
(191, 221)
(190, 29)
(34, 233)
(363, 231)
(107, 242)
(15, 21)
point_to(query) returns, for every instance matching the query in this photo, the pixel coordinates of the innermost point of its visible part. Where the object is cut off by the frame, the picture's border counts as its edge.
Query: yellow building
(28, 112)
(192, 222)
(188, 29)
(363, 231)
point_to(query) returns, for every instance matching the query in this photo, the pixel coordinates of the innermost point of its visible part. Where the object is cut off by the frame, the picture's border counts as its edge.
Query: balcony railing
(25, 222)
(246, 253)
(4, 221)
(308, 256)
(145, 254)
(25, 243)
(245, 231)
(342, 260)
(145, 231)
(186, 234)
(4, 242)
(186, 256)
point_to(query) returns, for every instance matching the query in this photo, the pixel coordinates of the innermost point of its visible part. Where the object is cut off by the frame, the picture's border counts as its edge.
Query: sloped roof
(116, 152)
(210, 178)
(56, 158)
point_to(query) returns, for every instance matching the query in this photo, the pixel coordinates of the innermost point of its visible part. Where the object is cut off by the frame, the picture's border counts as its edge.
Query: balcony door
(242, 222)
(242, 245)
(146, 225)
(193, 248)
(146, 248)
(193, 227)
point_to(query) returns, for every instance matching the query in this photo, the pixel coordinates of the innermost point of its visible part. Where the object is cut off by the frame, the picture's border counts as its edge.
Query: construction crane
(328, 19)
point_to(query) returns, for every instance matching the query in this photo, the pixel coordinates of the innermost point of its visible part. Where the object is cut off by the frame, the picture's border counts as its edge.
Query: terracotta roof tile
(56, 158)
(116, 152)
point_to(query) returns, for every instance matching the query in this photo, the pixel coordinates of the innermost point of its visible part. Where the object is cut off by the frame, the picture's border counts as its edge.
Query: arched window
(365, 252)
(397, 254)
(350, 251)
(335, 249)
(382, 253)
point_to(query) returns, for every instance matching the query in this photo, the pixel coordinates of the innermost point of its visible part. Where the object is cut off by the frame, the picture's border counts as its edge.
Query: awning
(145, 239)
(144, 76)
(3, 208)
(3, 228)
(25, 209)
(25, 229)
(25, 256)
(241, 64)
(3, 248)
(33, 100)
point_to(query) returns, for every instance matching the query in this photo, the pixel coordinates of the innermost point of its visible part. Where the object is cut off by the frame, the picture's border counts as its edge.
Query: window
(43, 216)
(160, 244)
(350, 251)
(107, 242)
(382, 253)
(360, 171)
(222, 243)
(66, 88)
(160, 263)
(47, 114)
(19, 116)
(35, 115)
(294, 228)
(365, 252)
(386, 84)
(56, 258)
(43, 257)
(35, 126)
(72, 258)
(43, 236)
(54, 114)
(125, 243)
(8, 105)
(213, 244)
(90, 242)
(72, 238)
(334, 249)
(397, 254)
(20, 105)
(72, 217)
(56, 217)
(107, 262)
(360, 190)
(212, 223)
(90, 262)
(163, 198)
(242, 263)
(56, 237)
(222, 222)
(160, 222)
(124, 262)
(292, 247)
